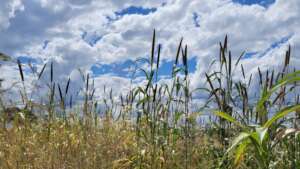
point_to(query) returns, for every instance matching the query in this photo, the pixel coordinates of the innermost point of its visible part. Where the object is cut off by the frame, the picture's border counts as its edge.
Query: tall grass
(153, 126)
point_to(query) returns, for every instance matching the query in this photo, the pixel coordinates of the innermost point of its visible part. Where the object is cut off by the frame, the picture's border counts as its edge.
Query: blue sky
(264, 3)
(105, 38)
(135, 10)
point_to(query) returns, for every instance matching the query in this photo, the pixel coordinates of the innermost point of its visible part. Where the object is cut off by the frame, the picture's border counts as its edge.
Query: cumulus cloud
(8, 11)
(78, 34)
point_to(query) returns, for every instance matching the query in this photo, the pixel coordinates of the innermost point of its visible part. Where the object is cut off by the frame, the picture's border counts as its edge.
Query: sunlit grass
(153, 126)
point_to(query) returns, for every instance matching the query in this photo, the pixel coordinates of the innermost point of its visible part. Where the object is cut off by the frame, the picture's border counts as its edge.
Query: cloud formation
(79, 34)
(8, 11)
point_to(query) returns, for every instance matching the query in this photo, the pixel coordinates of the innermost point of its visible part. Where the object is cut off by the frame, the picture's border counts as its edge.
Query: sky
(105, 38)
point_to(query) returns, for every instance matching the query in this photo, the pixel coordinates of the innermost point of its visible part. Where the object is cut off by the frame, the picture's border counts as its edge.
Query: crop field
(155, 125)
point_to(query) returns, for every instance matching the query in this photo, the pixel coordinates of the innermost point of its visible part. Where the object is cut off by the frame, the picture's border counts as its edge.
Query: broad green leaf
(240, 152)
(242, 137)
(261, 133)
(228, 118)
(255, 138)
(281, 114)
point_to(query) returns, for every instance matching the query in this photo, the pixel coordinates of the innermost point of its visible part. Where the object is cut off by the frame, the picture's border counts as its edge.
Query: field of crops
(155, 125)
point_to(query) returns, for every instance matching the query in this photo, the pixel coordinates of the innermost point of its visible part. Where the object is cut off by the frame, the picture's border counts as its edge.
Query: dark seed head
(20, 70)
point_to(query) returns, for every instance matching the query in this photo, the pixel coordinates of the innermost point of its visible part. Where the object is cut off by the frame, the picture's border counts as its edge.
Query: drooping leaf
(239, 139)
(281, 114)
(228, 118)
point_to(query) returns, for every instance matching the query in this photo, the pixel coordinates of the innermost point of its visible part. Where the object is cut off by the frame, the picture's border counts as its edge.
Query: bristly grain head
(42, 71)
(243, 71)
(229, 63)
(239, 59)
(260, 76)
(67, 86)
(287, 57)
(178, 51)
(52, 93)
(87, 82)
(93, 93)
(184, 60)
(60, 93)
(51, 72)
(152, 49)
(225, 43)
(158, 56)
(71, 101)
(122, 100)
(249, 82)
(20, 70)
(271, 80)
(267, 79)
(222, 52)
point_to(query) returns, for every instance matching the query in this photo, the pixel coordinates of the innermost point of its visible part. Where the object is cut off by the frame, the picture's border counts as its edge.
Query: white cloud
(8, 11)
(252, 28)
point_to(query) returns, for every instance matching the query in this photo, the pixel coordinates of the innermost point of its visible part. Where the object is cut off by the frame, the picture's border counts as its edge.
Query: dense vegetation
(155, 126)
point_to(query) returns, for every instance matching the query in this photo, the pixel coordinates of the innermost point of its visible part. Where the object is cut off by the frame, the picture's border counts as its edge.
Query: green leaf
(228, 118)
(239, 152)
(261, 132)
(177, 116)
(242, 137)
(144, 100)
(259, 135)
(287, 79)
(281, 114)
